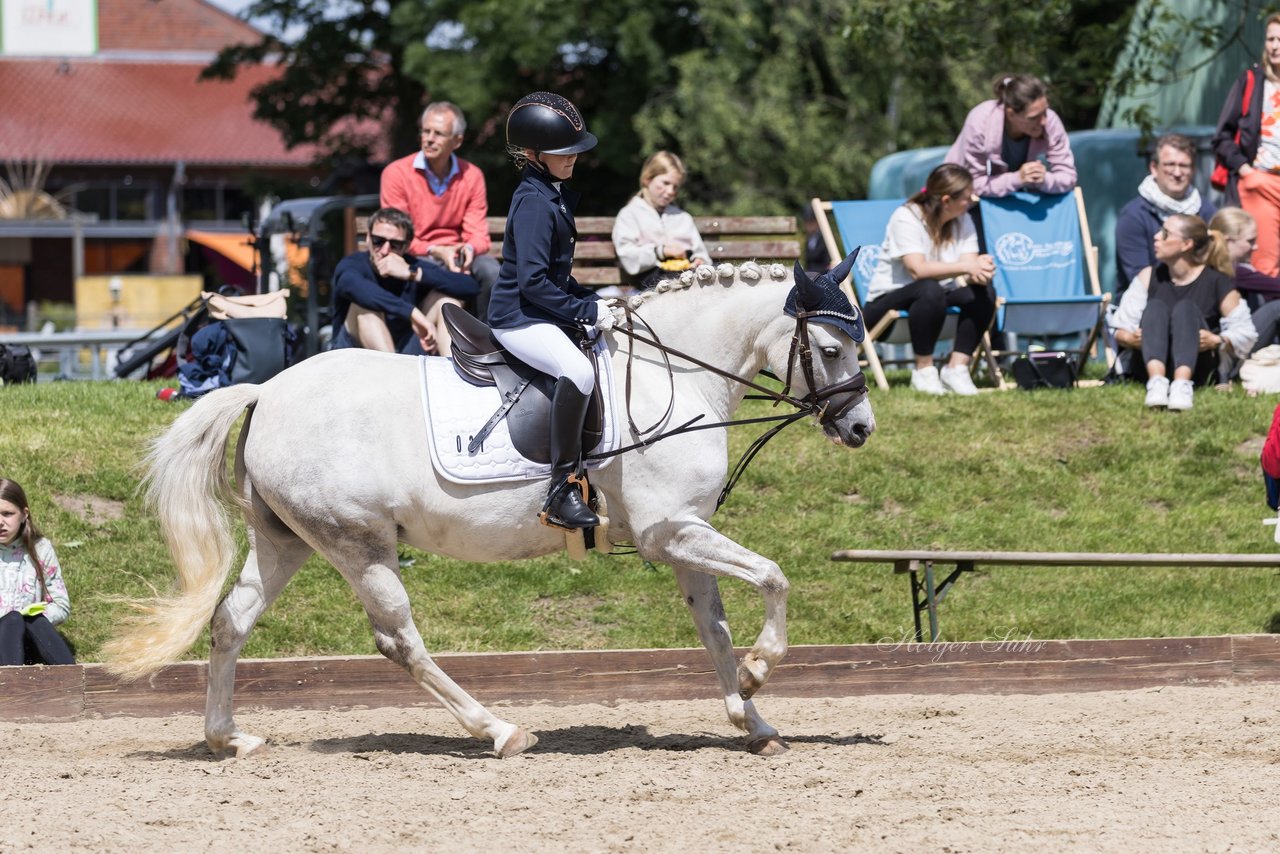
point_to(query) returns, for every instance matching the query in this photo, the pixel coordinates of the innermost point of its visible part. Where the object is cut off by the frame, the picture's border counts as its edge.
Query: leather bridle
(828, 403)
(818, 400)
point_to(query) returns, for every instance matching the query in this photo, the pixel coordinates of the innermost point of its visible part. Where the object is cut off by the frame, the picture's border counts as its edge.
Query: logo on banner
(865, 267)
(1015, 249)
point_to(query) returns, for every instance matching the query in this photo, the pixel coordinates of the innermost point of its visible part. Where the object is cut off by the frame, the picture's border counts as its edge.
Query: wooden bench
(927, 593)
(729, 238)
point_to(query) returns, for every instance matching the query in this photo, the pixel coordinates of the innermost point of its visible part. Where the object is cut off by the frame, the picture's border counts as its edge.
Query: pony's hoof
(749, 680)
(516, 743)
(255, 747)
(769, 746)
(240, 746)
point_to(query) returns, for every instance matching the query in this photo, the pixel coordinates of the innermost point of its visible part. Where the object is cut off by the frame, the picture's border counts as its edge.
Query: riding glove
(609, 315)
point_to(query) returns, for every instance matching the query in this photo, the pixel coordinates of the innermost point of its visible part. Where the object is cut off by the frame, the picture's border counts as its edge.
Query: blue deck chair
(861, 225)
(1046, 269)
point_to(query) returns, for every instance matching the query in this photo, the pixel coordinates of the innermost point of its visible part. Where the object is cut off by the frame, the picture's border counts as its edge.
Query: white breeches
(545, 347)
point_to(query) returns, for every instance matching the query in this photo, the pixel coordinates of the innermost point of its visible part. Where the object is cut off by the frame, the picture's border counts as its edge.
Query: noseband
(819, 400)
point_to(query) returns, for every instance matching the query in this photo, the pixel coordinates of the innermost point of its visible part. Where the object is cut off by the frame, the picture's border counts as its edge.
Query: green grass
(1086, 470)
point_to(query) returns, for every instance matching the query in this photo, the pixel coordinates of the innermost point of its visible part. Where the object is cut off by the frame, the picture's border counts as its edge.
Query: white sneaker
(1181, 394)
(958, 380)
(927, 380)
(1158, 391)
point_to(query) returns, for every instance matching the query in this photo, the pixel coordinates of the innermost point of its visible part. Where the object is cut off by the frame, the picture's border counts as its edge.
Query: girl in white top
(33, 597)
(652, 236)
(930, 242)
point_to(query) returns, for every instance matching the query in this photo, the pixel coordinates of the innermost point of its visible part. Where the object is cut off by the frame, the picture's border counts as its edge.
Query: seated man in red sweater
(445, 196)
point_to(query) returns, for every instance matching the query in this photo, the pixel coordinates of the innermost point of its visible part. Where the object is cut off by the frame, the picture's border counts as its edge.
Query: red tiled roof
(91, 111)
(169, 25)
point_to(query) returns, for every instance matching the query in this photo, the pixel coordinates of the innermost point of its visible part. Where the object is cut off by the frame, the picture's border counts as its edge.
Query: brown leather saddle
(525, 392)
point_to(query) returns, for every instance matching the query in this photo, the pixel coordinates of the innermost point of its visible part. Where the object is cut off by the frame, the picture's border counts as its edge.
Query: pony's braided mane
(749, 272)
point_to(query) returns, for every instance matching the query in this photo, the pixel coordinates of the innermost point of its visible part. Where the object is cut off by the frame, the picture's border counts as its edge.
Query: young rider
(536, 299)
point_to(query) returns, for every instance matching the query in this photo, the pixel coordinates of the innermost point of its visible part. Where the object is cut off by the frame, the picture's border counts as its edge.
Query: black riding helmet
(548, 124)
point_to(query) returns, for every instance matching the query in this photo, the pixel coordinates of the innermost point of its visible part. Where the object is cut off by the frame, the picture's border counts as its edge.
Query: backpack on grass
(17, 364)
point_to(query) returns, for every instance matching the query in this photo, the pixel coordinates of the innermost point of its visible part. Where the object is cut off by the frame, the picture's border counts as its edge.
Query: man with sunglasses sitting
(385, 299)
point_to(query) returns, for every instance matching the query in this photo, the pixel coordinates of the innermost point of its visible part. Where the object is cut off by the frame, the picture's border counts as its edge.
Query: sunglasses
(378, 242)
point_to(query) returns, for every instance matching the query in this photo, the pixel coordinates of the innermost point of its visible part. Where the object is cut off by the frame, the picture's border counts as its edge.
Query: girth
(525, 392)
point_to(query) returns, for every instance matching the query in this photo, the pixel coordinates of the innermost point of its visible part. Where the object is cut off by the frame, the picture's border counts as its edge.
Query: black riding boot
(565, 505)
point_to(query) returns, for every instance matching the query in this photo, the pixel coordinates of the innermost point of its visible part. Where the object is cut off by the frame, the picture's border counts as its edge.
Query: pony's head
(832, 328)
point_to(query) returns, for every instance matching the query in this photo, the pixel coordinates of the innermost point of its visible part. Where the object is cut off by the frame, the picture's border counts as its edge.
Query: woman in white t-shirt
(930, 241)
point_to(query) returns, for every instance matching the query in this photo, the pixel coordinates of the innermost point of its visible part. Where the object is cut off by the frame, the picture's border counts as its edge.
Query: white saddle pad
(455, 411)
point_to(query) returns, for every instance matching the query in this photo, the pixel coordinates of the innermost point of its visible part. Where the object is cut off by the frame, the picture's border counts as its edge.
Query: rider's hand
(608, 315)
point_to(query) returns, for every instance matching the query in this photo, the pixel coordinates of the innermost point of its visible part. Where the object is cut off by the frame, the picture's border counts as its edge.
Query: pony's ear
(800, 274)
(808, 294)
(841, 272)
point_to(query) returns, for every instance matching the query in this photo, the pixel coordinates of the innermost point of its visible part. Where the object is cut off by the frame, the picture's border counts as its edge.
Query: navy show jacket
(536, 284)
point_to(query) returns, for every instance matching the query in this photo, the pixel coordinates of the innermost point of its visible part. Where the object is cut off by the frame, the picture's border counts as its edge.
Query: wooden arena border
(1011, 666)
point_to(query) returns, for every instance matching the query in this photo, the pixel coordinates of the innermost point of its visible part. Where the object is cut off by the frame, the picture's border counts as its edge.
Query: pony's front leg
(698, 546)
(702, 595)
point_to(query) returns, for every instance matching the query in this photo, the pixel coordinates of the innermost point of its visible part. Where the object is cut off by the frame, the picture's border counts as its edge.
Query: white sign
(48, 27)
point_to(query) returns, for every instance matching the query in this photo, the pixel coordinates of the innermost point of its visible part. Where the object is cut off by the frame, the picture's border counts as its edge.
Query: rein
(815, 403)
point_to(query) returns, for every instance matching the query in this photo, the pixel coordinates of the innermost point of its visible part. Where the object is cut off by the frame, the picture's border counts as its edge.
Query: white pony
(332, 458)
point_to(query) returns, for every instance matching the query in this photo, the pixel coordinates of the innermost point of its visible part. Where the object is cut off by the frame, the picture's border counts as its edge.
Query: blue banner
(1035, 239)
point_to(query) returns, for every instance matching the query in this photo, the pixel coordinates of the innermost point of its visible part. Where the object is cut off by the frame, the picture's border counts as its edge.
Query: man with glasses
(386, 299)
(1166, 191)
(445, 195)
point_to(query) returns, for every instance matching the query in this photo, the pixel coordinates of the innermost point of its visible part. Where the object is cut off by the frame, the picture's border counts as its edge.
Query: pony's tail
(187, 487)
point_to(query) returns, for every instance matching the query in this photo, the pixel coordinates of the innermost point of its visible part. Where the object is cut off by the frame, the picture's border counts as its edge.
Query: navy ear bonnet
(821, 296)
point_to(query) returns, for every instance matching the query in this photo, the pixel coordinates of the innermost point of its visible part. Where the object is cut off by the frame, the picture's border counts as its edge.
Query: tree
(769, 101)
(796, 99)
(342, 84)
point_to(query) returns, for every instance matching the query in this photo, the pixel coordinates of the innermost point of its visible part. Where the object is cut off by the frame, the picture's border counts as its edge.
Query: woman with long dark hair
(928, 262)
(33, 597)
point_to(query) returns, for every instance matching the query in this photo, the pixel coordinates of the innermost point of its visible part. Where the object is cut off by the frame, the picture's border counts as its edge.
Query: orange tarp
(237, 247)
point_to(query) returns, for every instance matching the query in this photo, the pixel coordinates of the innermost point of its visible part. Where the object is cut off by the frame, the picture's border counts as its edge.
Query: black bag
(262, 347)
(1044, 370)
(17, 364)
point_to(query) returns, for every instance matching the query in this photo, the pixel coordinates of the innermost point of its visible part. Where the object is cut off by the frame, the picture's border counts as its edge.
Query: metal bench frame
(927, 592)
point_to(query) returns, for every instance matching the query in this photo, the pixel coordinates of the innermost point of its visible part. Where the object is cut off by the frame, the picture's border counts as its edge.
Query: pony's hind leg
(275, 554)
(375, 577)
(702, 594)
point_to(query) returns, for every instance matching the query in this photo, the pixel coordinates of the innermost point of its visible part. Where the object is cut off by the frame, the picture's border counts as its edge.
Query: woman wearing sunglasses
(1179, 312)
(385, 299)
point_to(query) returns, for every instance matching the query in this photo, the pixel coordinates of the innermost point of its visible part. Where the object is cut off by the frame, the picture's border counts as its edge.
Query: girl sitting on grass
(33, 597)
